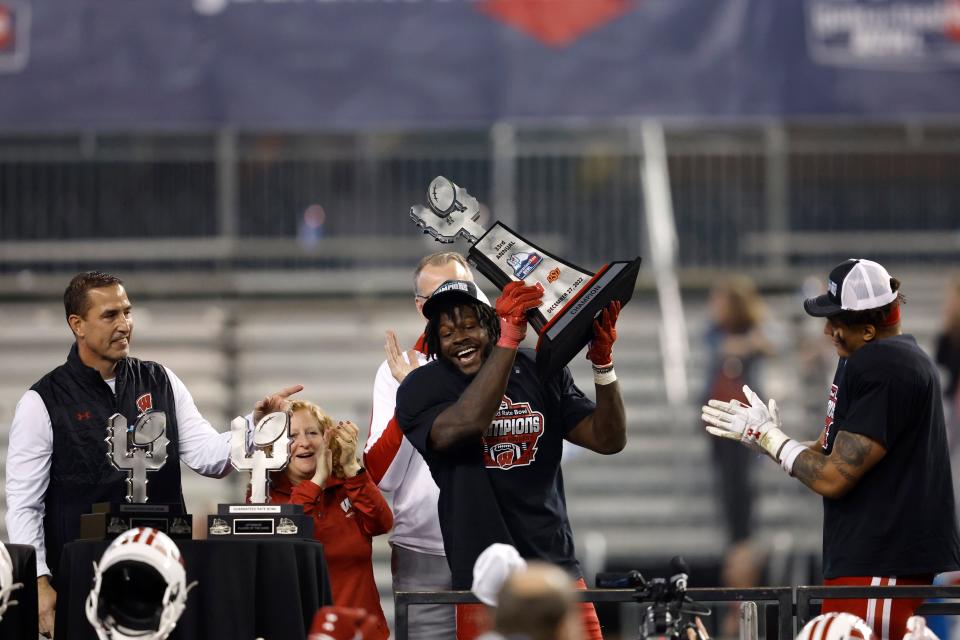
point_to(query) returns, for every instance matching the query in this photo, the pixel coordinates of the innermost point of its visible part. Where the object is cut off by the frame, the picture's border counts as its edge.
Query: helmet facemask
(139, 588)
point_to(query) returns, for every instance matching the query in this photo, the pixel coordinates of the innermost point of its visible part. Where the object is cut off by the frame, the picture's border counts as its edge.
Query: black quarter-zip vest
(79, 403)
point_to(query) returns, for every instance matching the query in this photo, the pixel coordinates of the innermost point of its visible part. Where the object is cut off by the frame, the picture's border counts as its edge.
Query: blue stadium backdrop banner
(348, 64)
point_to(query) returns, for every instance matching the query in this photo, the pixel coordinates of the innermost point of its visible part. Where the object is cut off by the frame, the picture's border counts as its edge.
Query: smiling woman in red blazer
(325, 476)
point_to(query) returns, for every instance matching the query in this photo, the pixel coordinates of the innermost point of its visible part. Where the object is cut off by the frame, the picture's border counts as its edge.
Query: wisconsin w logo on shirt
(828, 421)
(511, 439)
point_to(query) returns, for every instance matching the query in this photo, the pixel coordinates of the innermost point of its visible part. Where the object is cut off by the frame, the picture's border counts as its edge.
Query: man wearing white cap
(881, 462)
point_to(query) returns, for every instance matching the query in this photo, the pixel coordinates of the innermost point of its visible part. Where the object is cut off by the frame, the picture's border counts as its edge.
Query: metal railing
(796, 602)
(806, 595)
(767, 197)
(778, 600)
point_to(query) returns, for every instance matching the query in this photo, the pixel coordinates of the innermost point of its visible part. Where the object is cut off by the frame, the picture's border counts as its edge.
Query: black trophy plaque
(110, 519)
(260, 521)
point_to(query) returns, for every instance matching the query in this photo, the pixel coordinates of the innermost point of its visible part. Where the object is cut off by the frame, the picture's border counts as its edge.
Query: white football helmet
(835, 626)
(139, 587)
(7, 585)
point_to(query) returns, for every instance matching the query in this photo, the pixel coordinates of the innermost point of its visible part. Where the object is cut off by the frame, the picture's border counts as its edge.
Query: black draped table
(246, 589)
(20, 620)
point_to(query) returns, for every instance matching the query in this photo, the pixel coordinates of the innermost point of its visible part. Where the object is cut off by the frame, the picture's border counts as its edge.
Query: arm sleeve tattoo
(848, 459)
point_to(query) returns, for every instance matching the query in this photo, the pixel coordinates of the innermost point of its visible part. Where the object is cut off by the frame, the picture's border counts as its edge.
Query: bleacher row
(642, 506)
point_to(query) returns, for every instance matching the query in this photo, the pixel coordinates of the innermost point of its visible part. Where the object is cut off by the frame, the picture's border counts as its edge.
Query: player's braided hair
(485, 313)
(877, 316)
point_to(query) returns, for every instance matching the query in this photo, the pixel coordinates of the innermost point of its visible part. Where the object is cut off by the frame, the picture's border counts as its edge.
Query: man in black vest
(56, 463)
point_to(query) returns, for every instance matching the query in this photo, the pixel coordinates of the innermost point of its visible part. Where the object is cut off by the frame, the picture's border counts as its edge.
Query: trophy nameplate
(572, 297)
(260, 520)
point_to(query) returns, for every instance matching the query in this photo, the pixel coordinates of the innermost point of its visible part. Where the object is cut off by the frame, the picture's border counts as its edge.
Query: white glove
(757, 426)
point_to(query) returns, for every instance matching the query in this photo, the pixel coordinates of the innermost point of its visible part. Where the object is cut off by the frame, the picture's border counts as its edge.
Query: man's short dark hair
(75, 298)
(485, 314)
(876, 317)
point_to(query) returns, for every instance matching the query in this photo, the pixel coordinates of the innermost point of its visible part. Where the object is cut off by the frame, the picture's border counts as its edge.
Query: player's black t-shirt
(506, 486)
(899, 518)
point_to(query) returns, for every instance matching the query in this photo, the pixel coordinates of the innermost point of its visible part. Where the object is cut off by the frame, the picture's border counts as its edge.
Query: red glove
(512, 306)
(600, 351)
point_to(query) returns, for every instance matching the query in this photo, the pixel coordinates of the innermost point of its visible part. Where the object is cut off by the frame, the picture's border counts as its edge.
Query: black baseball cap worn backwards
(853, 285)
(452, 290)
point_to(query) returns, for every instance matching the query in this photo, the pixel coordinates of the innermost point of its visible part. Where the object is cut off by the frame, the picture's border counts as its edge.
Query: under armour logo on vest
(82, 415)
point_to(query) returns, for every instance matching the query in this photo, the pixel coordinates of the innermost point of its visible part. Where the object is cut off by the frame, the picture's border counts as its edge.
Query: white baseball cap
(492, 567)
(853, 285)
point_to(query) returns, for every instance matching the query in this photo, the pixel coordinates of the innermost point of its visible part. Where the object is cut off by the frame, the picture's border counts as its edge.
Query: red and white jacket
(398, 469)
(346, 513)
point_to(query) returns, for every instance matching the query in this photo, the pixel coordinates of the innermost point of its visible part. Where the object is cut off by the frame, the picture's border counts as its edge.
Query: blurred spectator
(537, 602)
(492, 568)
(948, 357)
(738, 341)
(325, 476)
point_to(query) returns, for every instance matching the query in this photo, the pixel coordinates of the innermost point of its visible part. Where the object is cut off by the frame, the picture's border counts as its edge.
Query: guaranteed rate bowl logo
(523, 263)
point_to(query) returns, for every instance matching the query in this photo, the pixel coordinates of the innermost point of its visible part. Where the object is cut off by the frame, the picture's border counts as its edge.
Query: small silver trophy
(137, 449)
(572, 297)
(270, 450)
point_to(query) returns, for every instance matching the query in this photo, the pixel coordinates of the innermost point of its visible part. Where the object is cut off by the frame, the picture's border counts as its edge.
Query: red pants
(887, 617)
(472, 619)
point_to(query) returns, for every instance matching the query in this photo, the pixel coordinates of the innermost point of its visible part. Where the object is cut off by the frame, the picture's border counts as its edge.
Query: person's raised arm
(605, 430)
(374, 513)
(387, 453)
(470, 416)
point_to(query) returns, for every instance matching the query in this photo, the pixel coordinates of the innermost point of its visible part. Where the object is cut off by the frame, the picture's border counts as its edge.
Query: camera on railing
(667, 616)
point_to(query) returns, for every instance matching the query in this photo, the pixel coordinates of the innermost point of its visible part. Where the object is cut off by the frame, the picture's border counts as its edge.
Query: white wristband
(604, 375)
(788, 455)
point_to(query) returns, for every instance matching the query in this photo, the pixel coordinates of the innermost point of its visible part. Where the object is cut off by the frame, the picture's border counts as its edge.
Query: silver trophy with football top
(267, 451)
(270, 451)
(572, 297)
(138, 449)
